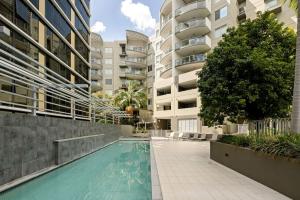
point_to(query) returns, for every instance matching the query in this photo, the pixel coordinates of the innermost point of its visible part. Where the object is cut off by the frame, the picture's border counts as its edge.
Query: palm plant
(296, 96)
(132, 97)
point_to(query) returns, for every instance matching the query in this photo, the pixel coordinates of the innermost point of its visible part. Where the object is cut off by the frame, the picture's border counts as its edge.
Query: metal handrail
(29, 86)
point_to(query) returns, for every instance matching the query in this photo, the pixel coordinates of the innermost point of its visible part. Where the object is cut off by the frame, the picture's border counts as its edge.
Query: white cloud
(98, 27)
(139, 14)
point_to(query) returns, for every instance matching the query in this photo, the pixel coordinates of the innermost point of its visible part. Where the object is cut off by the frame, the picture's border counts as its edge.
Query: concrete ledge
(156, 189)
(278, 173)
(73, 148)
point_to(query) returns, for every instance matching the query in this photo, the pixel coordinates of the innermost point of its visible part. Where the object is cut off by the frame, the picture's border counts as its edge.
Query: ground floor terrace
(187, 173)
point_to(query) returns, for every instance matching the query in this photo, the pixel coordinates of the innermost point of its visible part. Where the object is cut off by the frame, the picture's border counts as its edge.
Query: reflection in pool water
(120, 171)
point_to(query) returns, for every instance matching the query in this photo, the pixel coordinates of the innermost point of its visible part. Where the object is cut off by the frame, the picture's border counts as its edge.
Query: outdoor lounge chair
(171, 136)
(214, 137)
(201, 137)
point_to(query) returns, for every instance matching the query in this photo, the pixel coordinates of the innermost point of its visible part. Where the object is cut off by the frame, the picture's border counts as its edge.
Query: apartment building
(128, 60)
(96, 62)
(189, 30)
(55, 34)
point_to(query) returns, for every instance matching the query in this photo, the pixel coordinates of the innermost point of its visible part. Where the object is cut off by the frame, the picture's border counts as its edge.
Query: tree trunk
(296, 96)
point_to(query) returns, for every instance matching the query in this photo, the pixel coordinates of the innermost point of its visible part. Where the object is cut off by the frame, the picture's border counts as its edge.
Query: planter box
(279, 173)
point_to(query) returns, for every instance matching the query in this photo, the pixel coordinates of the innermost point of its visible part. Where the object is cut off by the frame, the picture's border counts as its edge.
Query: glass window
(56, 46)
(108, 71)
(57, 20)
(108, 50)
(35, 3)
(65, 6)
(81, 48)
(81, 68)
(149, 68)
(220, 31)
(187, 125)
(82, 11)
(108, 81)
(58, 68)
(81, 29)
(221, 13)
(108, 61)
(270, 3)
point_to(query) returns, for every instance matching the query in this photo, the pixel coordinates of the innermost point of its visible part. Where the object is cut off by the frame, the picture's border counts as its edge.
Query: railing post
(34, 103)
(94, 114)
(73, 109)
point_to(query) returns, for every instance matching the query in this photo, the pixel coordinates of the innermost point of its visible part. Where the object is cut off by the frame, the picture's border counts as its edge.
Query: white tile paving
(187, 173)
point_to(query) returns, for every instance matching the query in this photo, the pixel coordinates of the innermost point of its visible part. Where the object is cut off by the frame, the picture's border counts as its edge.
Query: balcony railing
(136, 60)
(191, 59)
(134, 73)
(165, 20)
(191, 6)
(137, 49)
(191, 42)
(190, 24)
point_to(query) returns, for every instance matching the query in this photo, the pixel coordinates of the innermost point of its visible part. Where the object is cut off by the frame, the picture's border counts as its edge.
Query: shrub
(287, 145)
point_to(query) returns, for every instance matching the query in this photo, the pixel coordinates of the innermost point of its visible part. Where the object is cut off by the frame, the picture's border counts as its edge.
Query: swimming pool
(119, 171)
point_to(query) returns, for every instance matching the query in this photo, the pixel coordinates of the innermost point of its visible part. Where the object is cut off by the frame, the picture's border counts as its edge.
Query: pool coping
(24, 179)
(155, 182)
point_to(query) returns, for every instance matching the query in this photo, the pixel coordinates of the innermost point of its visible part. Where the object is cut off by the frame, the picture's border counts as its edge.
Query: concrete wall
(27, 142)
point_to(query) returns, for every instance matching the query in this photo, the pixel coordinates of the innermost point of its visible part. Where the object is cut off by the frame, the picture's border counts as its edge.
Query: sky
(110, 18)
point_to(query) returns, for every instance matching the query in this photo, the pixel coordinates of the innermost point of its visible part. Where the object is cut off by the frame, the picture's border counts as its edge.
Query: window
(56, 46)
(81, 68)
(149, 68)
(270, 3)
(57, 20)
(149, 101)
(108, 50)
(65, 6)
(187, 125)
(108, 61)
(220, 31)
(108, 81)
(221, 13)
(157, 46)
(158, 58)
(81, 28)
(108, 71)
(82, 11)
(81, 48)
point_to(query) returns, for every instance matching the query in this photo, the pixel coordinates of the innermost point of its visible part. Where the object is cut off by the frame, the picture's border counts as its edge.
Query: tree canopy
(133, 96)
(250, 74)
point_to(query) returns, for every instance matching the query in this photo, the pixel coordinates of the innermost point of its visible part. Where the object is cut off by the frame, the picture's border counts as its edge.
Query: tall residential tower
(189, 29)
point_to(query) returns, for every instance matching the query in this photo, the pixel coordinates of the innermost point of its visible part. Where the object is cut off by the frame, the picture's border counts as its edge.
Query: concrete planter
(279, 173)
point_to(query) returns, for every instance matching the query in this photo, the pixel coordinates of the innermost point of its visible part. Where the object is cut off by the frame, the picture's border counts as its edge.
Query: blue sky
(111, 18)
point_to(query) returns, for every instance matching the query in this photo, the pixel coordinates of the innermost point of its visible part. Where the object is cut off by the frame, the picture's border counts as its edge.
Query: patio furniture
(214, 137)
(171, 136)
(201, 137)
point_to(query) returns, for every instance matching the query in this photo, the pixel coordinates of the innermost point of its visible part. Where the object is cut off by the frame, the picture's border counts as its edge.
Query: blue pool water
(119, 171)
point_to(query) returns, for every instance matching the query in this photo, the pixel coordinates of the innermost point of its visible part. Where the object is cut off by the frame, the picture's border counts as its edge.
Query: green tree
(250, 74)
(134, 96)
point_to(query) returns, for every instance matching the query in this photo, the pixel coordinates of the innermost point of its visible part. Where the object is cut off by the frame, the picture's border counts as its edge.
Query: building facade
(96, 62)
(189, 30)
(128, 60)
(56, 35)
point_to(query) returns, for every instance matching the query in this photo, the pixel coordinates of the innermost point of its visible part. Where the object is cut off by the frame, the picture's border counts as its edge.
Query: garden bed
(277, 172)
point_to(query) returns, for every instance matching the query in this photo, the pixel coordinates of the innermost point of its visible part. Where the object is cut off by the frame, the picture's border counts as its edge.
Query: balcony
(241, 14)
(96, 86)
(166, 71)
(273, 6)
(166, 7)
(134, 61)
(193, 45)
(166, 57)
(196, 26)
(190, 63)
(136, 51)
(133, 75)
(193, 10)
(166, 43)
(166, 25)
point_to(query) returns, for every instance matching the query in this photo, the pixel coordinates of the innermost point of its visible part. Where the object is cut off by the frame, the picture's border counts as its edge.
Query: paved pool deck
(187, 173)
